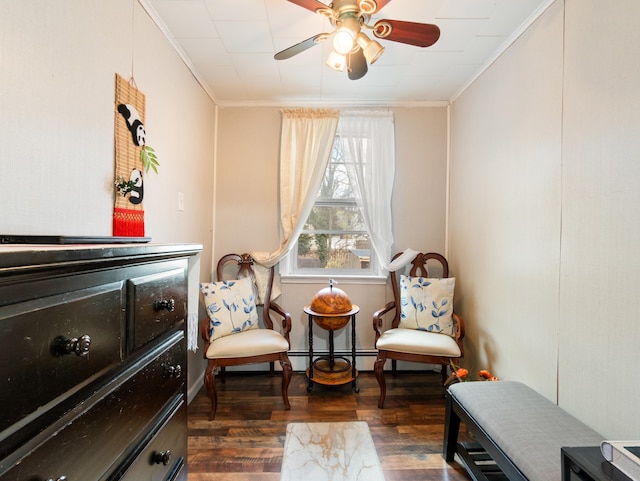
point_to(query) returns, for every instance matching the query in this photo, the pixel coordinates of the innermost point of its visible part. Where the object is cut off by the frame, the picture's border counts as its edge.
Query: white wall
(57, 88)
(600, 265)
(544, 210)
(247, 208)
(505, 208)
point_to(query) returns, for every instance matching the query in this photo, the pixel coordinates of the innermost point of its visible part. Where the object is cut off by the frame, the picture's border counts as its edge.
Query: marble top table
(339, 451)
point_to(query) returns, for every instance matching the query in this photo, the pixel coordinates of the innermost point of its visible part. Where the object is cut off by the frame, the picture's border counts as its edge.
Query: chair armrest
(377, 317)
(286, 319)
(459, 326)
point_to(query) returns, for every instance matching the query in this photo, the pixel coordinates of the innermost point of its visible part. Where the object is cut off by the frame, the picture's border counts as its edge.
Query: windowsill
(317, 278)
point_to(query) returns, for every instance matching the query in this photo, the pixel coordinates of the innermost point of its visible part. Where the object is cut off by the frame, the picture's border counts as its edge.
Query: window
(334, 240)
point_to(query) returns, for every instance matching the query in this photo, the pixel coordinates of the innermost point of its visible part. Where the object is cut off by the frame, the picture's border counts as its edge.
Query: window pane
(334, 240)
(333, 251)
(345, 217)
(335, 184)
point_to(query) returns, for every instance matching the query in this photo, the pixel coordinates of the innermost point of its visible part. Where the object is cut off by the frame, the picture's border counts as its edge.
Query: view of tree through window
(335, 236)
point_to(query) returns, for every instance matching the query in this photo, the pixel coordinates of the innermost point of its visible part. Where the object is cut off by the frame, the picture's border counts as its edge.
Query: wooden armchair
(424, 327)
(231, 333)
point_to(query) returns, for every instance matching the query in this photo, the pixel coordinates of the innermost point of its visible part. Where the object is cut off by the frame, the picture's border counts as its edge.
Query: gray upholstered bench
(517, 431)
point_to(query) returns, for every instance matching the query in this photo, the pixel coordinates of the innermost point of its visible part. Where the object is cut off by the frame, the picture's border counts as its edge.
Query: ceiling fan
(352, 48)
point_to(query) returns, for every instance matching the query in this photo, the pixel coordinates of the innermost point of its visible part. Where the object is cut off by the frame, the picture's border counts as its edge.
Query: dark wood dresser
(93, 362)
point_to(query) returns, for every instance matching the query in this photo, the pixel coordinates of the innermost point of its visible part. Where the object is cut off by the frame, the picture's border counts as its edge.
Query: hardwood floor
(245, 442)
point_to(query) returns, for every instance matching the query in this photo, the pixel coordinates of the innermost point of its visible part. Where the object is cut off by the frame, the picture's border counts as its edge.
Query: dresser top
(15, 255)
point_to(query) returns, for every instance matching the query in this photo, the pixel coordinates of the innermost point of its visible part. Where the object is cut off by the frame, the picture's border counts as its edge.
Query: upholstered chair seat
(418, 342)
(256, 342)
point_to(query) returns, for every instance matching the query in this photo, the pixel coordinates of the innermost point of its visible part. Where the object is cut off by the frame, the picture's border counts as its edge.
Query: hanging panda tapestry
(128, 212)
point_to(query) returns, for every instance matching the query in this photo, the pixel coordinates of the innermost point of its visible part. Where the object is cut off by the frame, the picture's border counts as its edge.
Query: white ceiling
(229, 45)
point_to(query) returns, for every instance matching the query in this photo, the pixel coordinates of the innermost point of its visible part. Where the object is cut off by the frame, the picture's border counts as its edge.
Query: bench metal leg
(451, 429)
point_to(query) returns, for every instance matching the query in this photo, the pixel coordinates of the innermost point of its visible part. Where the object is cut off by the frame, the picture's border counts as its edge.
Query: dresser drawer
(157, 303)
(115, 423)
(166, 454)
(36, 370)
(180, 474)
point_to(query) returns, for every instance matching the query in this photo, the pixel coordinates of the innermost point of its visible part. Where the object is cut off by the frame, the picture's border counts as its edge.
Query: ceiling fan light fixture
(345, 36)
(353, 50)
(343, 41)
(372, 50)
(337, 61)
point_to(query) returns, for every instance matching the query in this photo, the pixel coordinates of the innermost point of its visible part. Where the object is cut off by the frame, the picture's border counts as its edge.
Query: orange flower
(460, 374)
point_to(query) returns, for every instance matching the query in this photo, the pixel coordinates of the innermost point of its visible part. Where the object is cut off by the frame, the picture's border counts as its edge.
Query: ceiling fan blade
(356, 65)
(412, 33)
(300, 47)
(312, 5)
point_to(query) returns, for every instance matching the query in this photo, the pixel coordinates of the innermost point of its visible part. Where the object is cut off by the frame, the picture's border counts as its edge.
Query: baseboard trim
(195, 387)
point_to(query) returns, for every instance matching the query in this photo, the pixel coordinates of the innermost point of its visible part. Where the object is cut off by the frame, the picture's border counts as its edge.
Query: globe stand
(332, 370)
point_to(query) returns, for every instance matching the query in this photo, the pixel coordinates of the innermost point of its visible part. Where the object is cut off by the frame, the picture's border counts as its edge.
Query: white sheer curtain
(368, 140)
(305, 147)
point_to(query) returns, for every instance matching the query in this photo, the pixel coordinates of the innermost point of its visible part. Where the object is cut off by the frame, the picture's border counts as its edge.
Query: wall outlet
(180, 201)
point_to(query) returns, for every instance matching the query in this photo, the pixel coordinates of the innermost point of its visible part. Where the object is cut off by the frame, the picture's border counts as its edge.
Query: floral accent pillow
(231, 307)
(427, 304)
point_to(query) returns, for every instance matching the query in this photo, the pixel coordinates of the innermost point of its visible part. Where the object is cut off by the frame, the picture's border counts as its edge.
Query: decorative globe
(329, 303)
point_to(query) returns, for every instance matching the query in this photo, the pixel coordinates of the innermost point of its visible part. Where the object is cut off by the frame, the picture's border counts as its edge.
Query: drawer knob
(174, 371)
(168, 304)
(76, 345)
(162, 458)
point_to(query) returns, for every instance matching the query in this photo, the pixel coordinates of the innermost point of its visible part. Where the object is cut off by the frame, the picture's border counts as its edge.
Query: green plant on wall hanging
(124, 186)
(149, 159)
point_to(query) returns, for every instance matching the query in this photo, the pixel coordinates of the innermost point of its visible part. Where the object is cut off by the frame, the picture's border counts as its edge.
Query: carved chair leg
(445, 373)
(210, 384)
(394, 368)
(378, 369)
(223, 374)
(286, 378)
(272, 370)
